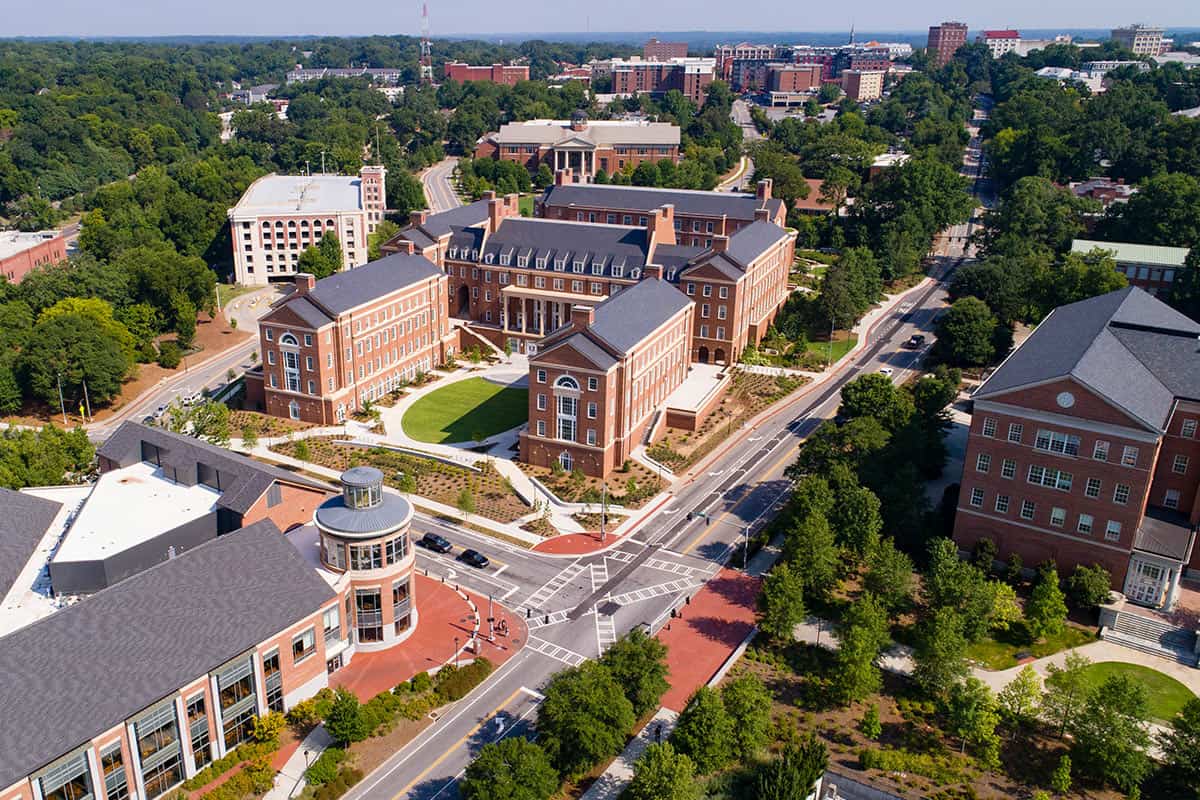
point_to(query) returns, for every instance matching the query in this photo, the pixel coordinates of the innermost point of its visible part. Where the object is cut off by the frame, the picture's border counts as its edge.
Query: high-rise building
(1000, 42)
(654, 50)
(862, 85)
(944, 40)
(1143, 40)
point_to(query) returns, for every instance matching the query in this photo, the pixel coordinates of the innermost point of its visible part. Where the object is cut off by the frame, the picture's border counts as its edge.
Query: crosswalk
(546, 620)
(552, 586)
(671, 566)
(558, 653)
(648, 592)
(599, 575)
(606, 632)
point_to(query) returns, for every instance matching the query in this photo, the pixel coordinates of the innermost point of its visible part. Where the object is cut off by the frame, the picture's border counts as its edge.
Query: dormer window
(597, 269)
(671, 275)
(617, 271)
(541, 262)
(578, 266)
(635, 273)
(474, 255)
(453, 252)
(487, 259)
(523, 261)
(504, 259)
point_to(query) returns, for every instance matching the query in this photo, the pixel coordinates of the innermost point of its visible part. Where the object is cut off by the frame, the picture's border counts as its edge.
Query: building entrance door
(1145, 583)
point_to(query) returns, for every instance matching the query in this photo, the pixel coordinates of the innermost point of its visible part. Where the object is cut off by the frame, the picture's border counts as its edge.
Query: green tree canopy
(77, 350)
(513, 768)
(704, 731)
(584, 718)
(663, 774)
(638, 663)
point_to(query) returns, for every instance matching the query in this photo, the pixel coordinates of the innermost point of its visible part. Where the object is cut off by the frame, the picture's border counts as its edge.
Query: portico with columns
(576, 155)
(535, 313)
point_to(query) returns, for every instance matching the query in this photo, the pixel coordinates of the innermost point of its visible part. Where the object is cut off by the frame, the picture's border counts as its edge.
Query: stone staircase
(1153, 637)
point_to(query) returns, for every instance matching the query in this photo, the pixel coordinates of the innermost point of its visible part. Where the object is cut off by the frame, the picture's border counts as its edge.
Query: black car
(473, 558)
(915, 342)
(438, 544)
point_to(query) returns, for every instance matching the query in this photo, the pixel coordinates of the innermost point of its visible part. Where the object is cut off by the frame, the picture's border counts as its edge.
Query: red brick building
(1083, 446)
(581, 146)
(862, 86)
(597, 381)
(20, 253)
(794, 78)
(726, 54)
(944, 40)
(351, 338)
(505, 74)
(691, 76)
(654, 50)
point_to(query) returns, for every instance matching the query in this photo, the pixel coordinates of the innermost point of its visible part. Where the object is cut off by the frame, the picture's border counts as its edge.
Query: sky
(456, 17)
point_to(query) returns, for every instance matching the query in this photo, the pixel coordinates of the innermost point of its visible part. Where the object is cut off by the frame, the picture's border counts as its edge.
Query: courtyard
(469, 410)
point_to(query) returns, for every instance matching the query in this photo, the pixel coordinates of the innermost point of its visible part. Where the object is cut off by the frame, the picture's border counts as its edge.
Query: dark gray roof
(390, 514)
(307, 311)
(243, 480)
(590, 350)
(687, 202)
(23, 522)
(603, 246)
(351, 288)
(1132, 349)
(444, 222)
(632, 314)
(675, 257)
(1164, 532)
(750, 242)
(82, 670)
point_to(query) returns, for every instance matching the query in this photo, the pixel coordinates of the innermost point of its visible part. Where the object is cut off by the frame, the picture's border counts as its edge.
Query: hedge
(246, 752)
(255, 779)
(326, 767)
(453, 683)
(346, 777)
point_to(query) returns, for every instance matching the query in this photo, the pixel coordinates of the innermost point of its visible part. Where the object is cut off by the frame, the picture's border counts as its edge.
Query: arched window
(294, 409)
(565, 461)
(291, 223)
(291, 364)
(566, 390)
(565, 382)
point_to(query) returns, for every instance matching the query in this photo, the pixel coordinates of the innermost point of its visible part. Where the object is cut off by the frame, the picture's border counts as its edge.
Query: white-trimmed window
(541, 427)
(1015, 431)
(1058, 517)
(567, 401)
(1112, 531)
(983, 462)
(541, 402)
(1121, 494)
(1002, 503)
(976, 498)
(1092, 489)
(1028, 507)
(1085, 523)
(1180, 466)
(591, 410)
(989, 427)
(593, 384)
(304, 645)
(1171, 498)
(541, 376)
(1188, 429)
(1053, 478)
(591, 436)
(1129, 456)
(1100, 450)
(1055, 442)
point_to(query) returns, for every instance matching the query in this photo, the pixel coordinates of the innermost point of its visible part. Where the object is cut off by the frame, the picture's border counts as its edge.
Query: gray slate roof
(351, 288)
(750, 242)
(687, 202)
(390, 514)
(606, 246)
(24, 520)
(1165, 533)
(244, 479)
(78, 672)
(632, 314)
(1131, 348)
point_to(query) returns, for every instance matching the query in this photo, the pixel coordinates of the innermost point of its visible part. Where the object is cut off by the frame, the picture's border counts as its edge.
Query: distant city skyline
(489, 19)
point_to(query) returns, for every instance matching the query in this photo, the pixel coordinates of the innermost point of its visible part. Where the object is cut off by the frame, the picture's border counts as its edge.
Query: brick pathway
(717, 620)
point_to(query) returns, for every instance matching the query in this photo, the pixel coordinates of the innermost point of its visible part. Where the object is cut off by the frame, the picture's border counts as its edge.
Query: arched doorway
(702, 354)
(719, 355)
(464, 301)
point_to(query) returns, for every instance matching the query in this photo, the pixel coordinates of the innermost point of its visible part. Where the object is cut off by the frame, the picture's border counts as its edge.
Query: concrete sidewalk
(620, 772)
(289, 781)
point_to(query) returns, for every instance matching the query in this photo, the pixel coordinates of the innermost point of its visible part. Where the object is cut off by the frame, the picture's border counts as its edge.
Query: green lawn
(1167, 695)
(1000, 651)
(227, 292)
(840, 348)
(463, 411)
(526, 205)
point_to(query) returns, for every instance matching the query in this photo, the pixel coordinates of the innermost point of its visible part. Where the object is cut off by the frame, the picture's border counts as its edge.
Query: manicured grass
(227, 292)
(459, 412)
(526, 205)
(1000, 651)
(840, 347)
(1167, 696)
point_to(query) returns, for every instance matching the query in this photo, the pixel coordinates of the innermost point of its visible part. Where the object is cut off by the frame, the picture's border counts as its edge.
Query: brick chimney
(405, 246)
(720, 244)
(582, 317)
(763, 191)
(762, 215)
(653, 272)
(418, 218)
(564, 177)
(660, 228)
(305, 283)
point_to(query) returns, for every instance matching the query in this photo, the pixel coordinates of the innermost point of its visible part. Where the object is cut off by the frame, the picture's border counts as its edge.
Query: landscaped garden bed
(629, 486)
(264, 426)
(749, 393)
(486, 493)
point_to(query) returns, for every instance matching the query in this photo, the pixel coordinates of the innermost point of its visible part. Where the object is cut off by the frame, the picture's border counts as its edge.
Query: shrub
(301, 451)
(169, 355)
(313, 710)
(325, 768)
(257, 778)
(454, 684)
(421, 682)
(268, 727)
(247, 752)
(346, 777)
(1089, 587)
(870, 725)
(345, 720)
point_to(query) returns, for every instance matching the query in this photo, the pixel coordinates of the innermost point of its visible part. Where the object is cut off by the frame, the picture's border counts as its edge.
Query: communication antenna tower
(426, 50)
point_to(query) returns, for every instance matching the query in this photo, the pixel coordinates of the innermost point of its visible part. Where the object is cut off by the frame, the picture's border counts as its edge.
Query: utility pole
(87, 402)
(491, 621)
(61, 403)
(745, 547)
(603, 509)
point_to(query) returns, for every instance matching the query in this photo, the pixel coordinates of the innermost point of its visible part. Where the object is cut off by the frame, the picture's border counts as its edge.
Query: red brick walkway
(579, 544)
(444, 616)
(713, 625)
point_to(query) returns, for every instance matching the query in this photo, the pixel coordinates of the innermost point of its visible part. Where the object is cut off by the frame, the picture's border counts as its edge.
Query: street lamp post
(456, 652)
(745, 547)
(62, 405)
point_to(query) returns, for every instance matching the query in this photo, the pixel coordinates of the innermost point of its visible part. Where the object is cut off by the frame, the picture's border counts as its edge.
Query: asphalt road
(576, 606)
(439, 193)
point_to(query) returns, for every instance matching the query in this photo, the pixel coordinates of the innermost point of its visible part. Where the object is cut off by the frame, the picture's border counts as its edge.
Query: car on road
(473, 558)
(149, 420)
(886, 371)
(438, 544)
(915, 342)
(193, 398)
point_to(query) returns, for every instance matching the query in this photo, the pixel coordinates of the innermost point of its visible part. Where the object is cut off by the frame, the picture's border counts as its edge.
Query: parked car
(193, 398)
(438, 544)
(886, 371)
(473, 558)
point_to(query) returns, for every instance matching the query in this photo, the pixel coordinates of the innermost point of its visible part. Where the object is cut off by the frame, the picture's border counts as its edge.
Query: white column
(97, 777)
(524, 316)
(185, 739)
(218, 725)
(542, 317)
(138, 781)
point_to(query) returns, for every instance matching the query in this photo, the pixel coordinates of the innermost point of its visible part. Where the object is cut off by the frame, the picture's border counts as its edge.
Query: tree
(870, 725)
(510, 769)
(973, 718)
(99, 312)
(781, 603)
(1066, 690)
(1060, 779)
(183, 312)
(940, 653)
(78, 350)
(1184, 293)
(705, 731)
(1034, 211)
(748, 704)
(1046, 611)
(1110, 733)
(1181, 746)
(810, 550)
(889, 575)
(384, 231)
(1165, 211)
(794, 772)
(874, 395)
(663, 774)
(584, 718)
(966, 333)
(638, 663)
(863, 635)
(48, 457)
(10, 389)
(466, 501)
(856, 520)
(345, 722)
(323, 259)
(544, 176)
(208, 421)
(1020, 700)
(1089, 587)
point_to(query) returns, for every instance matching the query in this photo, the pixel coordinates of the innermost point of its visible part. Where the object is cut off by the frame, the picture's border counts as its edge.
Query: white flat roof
(129, 506)
(301, 194)
(29, 598)
(701, 381)
(13, 242)
(307, 541)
